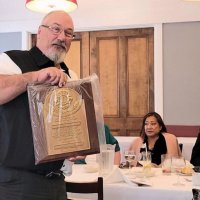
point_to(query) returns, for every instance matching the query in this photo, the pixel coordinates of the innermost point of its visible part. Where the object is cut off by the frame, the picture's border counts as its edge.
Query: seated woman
(110, 139)
(154, 136)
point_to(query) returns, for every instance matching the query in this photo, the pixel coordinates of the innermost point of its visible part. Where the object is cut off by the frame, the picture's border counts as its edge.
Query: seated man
(110, 139)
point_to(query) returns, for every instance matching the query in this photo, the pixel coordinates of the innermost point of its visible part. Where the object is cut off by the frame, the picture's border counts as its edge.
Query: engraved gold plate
(65, 122)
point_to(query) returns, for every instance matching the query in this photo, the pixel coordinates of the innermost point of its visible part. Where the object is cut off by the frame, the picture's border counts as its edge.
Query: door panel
(138, 78)
(73, 58)
(77, 57)
(123, 60)
(110, 83)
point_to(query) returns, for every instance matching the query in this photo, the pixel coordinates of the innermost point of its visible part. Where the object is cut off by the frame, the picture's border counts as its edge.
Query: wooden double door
(123, 61)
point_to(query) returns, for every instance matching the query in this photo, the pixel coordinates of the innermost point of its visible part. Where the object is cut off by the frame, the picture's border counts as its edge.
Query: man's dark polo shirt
(16, 144)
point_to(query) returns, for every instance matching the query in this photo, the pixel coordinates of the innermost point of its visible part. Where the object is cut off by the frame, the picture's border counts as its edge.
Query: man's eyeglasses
(58, 29)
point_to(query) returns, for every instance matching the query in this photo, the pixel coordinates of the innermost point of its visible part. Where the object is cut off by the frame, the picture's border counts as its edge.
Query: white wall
(14, 38)
(181, 42)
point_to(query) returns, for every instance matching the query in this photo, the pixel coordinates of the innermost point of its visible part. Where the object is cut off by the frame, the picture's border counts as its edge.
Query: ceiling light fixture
(45, 6)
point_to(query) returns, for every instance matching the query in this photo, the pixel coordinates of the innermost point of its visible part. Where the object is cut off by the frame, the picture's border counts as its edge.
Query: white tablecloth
(161, 188)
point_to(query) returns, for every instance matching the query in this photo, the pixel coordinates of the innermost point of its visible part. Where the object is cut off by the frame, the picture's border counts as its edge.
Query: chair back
(196, 194)
(181, 146)
(86, 187)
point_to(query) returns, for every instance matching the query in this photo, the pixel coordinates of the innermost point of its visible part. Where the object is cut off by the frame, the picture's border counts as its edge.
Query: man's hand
(13, 85)
(51, 75)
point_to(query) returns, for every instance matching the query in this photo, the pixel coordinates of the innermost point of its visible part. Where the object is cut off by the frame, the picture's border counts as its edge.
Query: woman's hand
(155, 165)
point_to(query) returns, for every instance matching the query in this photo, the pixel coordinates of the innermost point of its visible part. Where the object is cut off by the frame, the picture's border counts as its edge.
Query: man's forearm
(13, 85)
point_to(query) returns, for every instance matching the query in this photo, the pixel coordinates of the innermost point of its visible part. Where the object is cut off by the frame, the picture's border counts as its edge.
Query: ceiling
(91, 13)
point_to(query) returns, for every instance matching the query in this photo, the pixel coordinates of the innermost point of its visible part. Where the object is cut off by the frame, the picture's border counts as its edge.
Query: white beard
(56, 56)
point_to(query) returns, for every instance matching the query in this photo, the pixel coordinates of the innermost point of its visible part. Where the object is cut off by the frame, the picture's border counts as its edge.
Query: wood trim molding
(183, 131)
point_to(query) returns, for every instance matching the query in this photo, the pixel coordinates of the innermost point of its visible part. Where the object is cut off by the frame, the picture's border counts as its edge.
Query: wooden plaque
(63, 121)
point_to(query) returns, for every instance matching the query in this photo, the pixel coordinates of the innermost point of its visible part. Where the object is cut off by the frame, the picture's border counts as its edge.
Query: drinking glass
(178, 163)
(106, 158)
(129, 156)
(166, 162)
(146, 162)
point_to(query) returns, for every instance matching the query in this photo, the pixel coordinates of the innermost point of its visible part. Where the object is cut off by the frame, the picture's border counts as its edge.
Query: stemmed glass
(129, 156)
(178, 163)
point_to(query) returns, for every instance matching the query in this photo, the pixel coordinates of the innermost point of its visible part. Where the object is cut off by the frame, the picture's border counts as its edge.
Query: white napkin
(116, 176)
(189, 164)
(80, 174)
(67, 167)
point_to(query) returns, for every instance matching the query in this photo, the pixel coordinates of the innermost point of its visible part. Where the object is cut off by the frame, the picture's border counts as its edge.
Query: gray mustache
(60, 43)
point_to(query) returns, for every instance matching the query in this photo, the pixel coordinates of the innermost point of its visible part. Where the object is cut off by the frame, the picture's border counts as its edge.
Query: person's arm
(136, 145)
(117, 158)
(172, 144)
(13, 85)
(110, 139)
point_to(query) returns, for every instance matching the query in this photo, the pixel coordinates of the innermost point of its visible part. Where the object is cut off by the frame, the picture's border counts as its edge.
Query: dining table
(125, 184)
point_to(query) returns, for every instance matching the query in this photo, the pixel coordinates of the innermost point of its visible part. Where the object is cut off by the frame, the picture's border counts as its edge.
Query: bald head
(57, 14)
(55, 35)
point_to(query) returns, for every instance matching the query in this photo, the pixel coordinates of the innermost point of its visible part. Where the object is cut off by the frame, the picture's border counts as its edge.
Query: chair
(181, 146)
(87, 187)
(196, 194)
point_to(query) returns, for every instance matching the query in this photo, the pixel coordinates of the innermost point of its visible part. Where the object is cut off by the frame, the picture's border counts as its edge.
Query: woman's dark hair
(159, 120)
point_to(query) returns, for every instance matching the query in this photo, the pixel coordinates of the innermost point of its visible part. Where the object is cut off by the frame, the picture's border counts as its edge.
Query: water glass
(129, 156)
(166, 163)
(178, 163)
(106, 158)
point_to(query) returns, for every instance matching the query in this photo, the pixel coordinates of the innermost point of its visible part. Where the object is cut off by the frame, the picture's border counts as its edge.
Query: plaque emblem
(65, 101)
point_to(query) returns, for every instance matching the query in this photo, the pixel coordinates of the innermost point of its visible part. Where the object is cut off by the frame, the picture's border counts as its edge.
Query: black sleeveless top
(159, 148)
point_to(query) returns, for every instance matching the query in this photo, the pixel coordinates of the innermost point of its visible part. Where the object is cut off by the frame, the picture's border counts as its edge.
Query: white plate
(186, 174)
(140, 174)
(91, 168)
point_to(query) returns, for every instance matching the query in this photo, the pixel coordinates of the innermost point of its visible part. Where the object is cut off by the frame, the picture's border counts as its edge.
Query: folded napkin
(80, 174)
(116, 176)
(189, 164)
(67, 167)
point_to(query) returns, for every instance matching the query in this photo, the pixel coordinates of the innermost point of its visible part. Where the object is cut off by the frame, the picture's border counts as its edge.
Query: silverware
(140, 184)
(188, 180)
